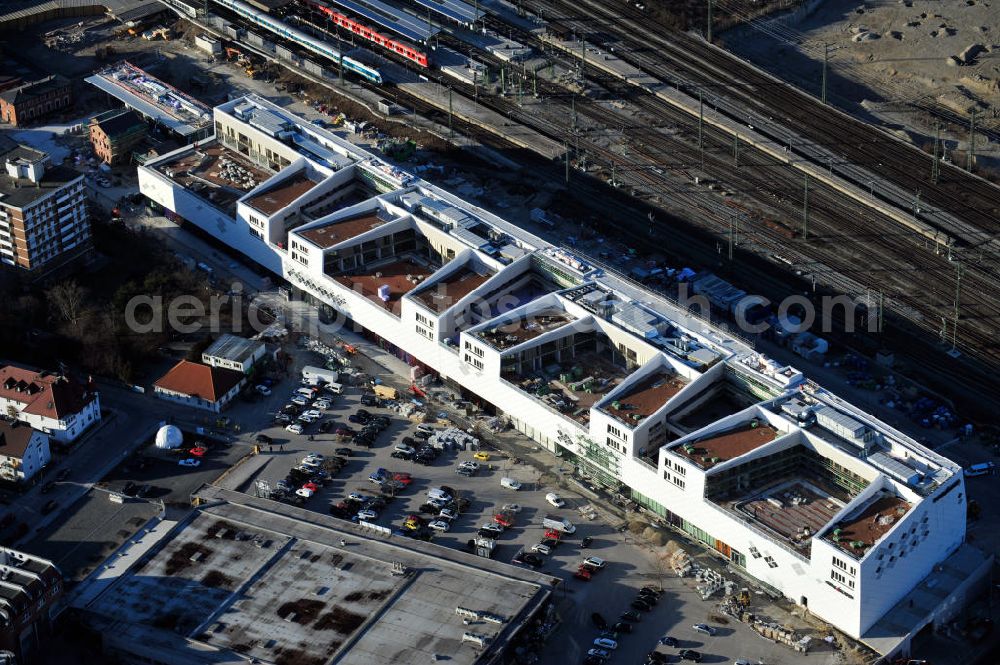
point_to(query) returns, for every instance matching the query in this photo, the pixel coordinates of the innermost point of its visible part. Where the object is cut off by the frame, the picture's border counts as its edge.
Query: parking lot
(609, 592)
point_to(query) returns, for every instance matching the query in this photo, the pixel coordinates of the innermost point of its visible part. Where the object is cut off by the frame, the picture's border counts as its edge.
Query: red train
(399, 46)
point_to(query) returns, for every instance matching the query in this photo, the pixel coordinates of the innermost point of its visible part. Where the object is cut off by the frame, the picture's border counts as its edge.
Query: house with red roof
(200, 386)
(23, 451)
(48, 401)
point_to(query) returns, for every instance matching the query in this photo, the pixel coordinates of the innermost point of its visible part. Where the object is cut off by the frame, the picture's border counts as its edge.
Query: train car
(319, 46)
(398, 46)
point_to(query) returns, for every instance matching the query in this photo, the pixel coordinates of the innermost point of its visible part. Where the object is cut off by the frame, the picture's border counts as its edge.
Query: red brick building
(32, 101)
(115, 134)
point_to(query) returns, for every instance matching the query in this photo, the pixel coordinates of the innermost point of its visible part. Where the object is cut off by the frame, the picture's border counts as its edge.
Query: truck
(558, 523)
(314, 376)
(385, 392)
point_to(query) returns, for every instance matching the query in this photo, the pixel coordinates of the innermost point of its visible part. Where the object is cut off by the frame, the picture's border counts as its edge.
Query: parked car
(622, 627)
(48, 487)
(62, 475)
(541, 549)
(632, 616)
(585, 543)
(482, 456)
(582, 574)
(605, 643)
(600, 653)
(668, 641)
(294, 428)
(640, 605)
(367, 514)
(690, 654)
(704, 628)
(299, 400)
(49, 507)
(554, 500)
(439, 525)
(595, 562)
(190, 461)
(264, 390)
(599, 621)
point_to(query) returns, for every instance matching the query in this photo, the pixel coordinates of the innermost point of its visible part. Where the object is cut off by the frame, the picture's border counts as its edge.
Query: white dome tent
(169, 437)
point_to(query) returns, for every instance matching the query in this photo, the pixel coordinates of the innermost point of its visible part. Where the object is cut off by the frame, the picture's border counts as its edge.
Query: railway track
(688, 61)
(932, 277)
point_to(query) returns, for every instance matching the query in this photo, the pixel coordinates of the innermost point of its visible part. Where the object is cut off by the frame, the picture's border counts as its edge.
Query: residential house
(49, 402)
(23, 451)
(200, 386)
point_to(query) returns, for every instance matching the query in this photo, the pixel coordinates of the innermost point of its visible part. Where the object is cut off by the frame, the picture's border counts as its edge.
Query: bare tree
(66, 299)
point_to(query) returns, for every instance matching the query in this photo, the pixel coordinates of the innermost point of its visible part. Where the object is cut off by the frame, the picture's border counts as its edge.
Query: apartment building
(30, 589)
(116, 134)
(817, 500)
(49, 402)
(44, 223)
(33, 101)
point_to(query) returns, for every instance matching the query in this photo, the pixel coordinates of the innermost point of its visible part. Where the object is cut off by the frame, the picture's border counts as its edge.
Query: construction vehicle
(159, 32)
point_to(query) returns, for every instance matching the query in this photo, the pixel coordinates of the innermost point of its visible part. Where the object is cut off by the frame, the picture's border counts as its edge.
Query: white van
(510, 484)
(335, 388)
(981, 469)
(438, 493)
(558, 523)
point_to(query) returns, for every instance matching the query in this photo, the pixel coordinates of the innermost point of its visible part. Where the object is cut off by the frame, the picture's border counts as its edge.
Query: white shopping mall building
(816, 499)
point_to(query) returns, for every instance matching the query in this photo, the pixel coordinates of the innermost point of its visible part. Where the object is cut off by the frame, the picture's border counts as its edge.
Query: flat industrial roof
(153, 98)
(857, 533)
(454, 10)
(266, 580)
(715, 449)
(643, 399)
(513, 332)
(340, 230)
(795, 509)
(396, 20)
(448, 290)
(278, 196)
(215, 173)
(399, 276)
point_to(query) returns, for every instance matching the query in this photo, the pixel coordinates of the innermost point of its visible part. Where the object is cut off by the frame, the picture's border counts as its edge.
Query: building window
(838, 577)
(614, 430)
(839, 564)
(680, 483)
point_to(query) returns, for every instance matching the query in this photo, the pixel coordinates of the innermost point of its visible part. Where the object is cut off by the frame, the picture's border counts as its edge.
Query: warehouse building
(816, 499)
(244, 579)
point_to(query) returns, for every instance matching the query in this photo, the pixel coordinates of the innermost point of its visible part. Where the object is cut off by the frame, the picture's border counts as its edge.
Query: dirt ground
(886, 57)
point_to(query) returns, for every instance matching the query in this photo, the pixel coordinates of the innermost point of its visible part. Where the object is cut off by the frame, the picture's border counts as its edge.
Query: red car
(553, 534)
(582, 574)
(403, 478)
(198, 451)
(311, 486)
(504, 519)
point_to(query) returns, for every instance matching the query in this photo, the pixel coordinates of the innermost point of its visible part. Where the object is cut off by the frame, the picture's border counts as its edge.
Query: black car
(346, 452)
(551, 543)
(48, 487)
(532, 560)
(489, 533)
(622, 627)
(449, 490)
(652, 589)
(144, 491)
(594, 660)
(690, 654)
(49, 507)
(647, 598)
(668, 641)
(62, 475)
(656, 657)
(640, 605)
(283, 418)
(408, 441)
(585, 543)
(129, 490)
(369, 399)
(399, 454)
(263, 439)
(429, 508)
(599, 621)
(422, 435)
(325, 426)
